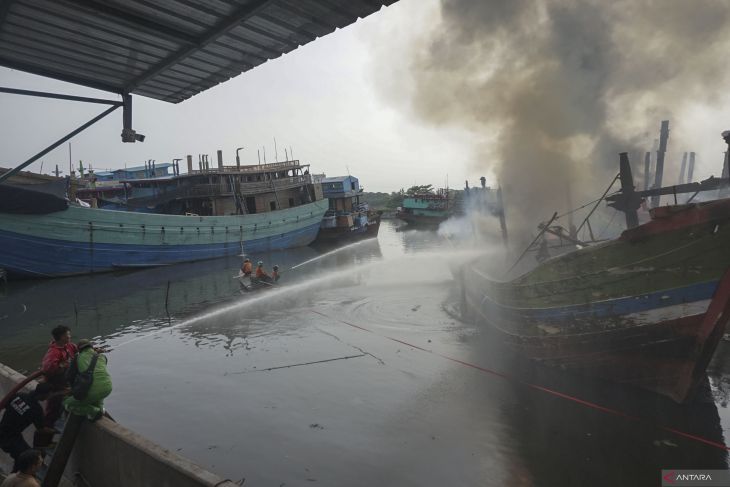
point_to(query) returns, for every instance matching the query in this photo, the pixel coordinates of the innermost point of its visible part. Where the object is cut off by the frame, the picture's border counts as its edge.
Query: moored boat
(199, 215)
(347, 218)
(647, 309)
(426, 209)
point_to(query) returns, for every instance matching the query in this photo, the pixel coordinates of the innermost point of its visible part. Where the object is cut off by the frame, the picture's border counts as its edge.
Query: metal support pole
(683, 169)
(659, 173)
(627, 190)
(691, 167)
(724, 189)
(60, 141)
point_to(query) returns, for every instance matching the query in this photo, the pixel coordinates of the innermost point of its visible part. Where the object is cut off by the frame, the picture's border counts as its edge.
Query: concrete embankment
(109, 455)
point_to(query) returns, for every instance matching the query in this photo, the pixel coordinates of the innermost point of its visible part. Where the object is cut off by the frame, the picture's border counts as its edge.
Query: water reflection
(114, 305)
(562, 440)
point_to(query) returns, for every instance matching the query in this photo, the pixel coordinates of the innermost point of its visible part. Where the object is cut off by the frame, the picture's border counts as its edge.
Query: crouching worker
(22, 411)
(247, 268)
(29, 462)
(90, 382)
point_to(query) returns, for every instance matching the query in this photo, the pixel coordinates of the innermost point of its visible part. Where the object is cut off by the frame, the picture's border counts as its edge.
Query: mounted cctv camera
(129, 135)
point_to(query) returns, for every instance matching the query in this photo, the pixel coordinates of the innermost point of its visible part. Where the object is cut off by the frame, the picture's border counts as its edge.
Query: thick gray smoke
(555, 89)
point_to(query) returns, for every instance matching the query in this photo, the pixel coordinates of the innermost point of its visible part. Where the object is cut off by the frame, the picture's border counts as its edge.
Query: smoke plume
(553, 90)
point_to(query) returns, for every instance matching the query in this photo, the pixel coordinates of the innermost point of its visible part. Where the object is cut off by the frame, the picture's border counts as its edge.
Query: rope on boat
(552, 392)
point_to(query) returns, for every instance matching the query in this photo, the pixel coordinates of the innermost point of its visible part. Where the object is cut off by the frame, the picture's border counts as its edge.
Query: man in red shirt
(54, 366)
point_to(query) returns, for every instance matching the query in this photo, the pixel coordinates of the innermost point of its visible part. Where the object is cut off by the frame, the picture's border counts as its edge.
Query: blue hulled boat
(200, 215)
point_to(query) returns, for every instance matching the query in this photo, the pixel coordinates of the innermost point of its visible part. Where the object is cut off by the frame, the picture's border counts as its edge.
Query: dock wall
(109, 455)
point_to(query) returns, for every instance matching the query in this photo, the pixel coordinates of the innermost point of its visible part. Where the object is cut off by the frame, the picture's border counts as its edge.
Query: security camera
(129, 135)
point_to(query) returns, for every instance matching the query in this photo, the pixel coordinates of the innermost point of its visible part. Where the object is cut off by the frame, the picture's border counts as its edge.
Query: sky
(322, 100)
(405, 97)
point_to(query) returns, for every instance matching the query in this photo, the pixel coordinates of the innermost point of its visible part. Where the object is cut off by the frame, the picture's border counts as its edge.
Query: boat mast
(627, 200)
(725, 167)
(659, 173)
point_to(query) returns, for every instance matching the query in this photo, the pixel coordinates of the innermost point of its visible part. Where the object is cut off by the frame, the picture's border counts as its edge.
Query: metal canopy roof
(164, 49)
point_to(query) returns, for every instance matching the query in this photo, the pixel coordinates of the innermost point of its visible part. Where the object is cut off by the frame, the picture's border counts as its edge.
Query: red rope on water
(569, 397)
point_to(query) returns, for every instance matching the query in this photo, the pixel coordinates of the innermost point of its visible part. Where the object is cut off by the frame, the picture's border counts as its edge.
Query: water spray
(278, 292)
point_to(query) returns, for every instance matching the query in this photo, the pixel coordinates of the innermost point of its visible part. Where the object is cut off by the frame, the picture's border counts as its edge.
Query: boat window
(272, 205)
(291, 202)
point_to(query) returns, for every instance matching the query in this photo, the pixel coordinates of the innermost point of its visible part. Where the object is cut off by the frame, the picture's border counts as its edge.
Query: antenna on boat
(291, 153)
(70, 164)
(286, 153)
(258, 153)
(264, 154)
(276, 153)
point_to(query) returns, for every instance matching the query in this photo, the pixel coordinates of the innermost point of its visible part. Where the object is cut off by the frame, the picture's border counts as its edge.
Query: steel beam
(59, 96)
(60, 141)
(29, 68)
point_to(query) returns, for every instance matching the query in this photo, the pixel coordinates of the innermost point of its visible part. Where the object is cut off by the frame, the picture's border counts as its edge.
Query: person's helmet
(247, 260)
(276, 267)
(261, 262)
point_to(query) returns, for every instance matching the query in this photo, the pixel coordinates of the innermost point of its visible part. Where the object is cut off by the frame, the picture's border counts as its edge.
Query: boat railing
(254, 168)
(222, 188)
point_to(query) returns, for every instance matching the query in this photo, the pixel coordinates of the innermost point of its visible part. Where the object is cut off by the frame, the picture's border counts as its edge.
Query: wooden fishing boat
(199, 215)
(426, 209)
(348, 219)
(647, 309)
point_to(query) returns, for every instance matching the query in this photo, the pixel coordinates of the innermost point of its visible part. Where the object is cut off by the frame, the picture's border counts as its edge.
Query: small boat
(255, 284)
(348, 218)
(426, 209)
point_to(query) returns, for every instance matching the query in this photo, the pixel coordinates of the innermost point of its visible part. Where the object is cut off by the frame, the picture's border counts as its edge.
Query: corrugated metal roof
(164, 49)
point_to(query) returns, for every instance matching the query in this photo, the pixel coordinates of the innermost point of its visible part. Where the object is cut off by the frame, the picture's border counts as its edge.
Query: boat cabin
(218, 191)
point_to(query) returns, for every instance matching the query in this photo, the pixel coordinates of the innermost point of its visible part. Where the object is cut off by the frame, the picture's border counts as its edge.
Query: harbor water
(356, 371)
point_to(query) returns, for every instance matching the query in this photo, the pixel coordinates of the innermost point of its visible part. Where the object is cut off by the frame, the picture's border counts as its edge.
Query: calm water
(348, 375)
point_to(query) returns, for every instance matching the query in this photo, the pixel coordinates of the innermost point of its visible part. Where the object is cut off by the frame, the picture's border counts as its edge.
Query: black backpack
(81, 381)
